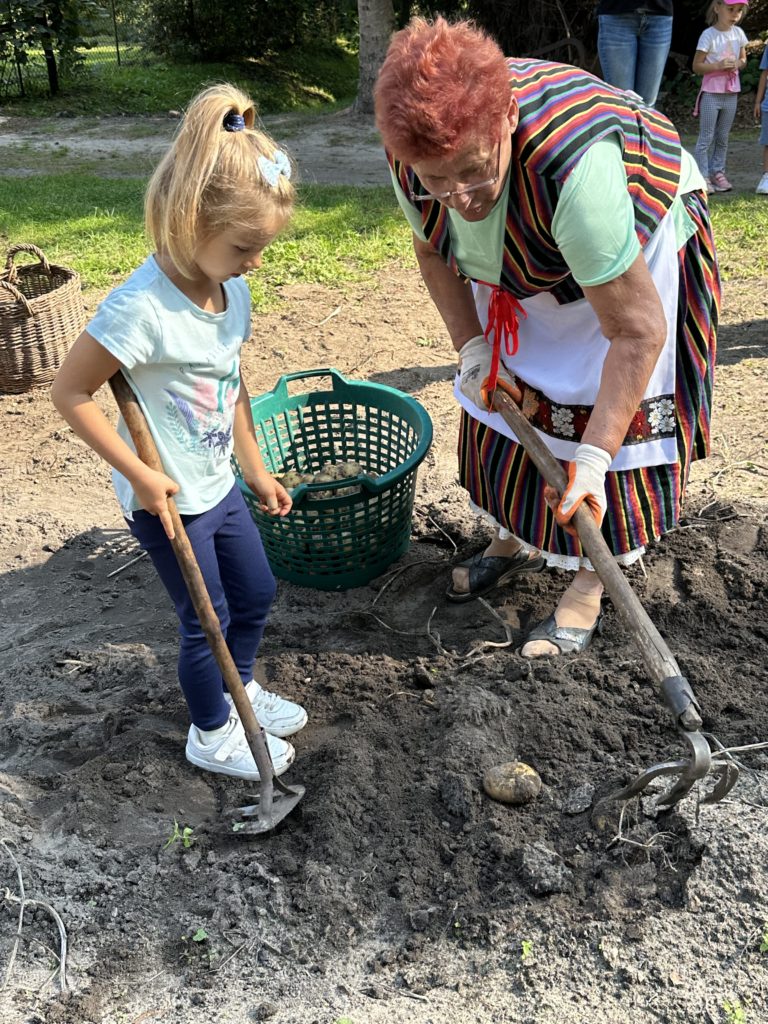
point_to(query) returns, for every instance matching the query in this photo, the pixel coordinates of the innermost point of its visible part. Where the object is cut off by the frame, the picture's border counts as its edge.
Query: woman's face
(472, 180)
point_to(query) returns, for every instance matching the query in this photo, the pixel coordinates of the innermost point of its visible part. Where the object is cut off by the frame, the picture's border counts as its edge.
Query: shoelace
(265, 701)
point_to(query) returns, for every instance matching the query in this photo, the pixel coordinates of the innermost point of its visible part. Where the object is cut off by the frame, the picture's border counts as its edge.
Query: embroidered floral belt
(653, 421)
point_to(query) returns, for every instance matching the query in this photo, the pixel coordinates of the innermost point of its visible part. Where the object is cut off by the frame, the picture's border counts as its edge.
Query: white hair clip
(272, 169)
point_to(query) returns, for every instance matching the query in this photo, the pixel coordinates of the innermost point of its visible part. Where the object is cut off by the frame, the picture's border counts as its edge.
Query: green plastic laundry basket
(344, 540)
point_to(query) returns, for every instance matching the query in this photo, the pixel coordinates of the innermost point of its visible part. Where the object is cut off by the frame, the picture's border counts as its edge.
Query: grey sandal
(567, 639)
(489, 571)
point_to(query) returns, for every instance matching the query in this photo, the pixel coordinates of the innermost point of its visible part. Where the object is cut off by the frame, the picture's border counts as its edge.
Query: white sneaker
(230, 754)
(278, 716)
(762, 185)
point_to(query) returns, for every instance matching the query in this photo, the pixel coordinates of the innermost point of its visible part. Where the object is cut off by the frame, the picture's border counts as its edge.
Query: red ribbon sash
(503, 310)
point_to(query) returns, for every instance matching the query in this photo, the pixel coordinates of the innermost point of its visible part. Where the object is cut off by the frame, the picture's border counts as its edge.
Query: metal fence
(111, 39)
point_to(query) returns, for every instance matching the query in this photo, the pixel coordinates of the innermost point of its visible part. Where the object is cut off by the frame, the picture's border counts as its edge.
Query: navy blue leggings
(229, 551)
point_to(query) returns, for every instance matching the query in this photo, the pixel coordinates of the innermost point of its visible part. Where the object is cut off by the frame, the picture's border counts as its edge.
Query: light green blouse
(594, 224)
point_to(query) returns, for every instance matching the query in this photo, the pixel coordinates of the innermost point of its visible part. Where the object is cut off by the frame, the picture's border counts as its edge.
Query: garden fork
(675, 689)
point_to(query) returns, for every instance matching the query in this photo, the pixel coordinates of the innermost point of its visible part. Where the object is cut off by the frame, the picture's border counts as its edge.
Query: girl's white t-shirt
(184, 367)
(718, 45)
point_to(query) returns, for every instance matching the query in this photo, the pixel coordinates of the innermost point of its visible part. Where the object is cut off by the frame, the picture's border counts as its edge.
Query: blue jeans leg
(633, 50)
(241, 586)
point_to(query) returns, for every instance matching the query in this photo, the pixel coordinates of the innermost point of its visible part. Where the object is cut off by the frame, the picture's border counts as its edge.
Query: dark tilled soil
(396, 861)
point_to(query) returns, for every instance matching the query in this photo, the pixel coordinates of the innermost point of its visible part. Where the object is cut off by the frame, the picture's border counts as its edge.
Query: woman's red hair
(441, 86)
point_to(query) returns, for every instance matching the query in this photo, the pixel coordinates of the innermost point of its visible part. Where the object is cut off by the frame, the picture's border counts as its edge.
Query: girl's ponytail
(221, 171)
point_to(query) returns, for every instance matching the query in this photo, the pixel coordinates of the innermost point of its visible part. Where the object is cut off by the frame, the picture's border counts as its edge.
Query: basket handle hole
(300, 387)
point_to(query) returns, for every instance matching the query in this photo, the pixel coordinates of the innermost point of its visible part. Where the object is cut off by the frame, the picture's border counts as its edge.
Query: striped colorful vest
(563, 110)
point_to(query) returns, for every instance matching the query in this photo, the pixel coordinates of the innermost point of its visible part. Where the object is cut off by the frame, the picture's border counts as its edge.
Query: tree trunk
(377, 23)
(46, 45)
(51, 66)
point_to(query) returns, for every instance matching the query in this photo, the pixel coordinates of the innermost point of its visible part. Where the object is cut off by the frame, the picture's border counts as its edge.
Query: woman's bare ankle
(502, 548)
(577, 609)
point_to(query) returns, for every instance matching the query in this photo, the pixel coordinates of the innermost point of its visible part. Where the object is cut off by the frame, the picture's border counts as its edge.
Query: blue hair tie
(234, 122)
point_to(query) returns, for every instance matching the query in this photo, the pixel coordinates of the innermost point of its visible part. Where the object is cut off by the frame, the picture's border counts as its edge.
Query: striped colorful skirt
(644, 503)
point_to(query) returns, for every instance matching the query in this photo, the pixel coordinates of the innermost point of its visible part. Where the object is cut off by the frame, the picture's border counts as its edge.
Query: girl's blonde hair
(210, 180)
(711, 15)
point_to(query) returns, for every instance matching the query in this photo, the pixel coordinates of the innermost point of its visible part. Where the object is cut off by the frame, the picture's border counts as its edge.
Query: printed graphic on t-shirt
(201, 424)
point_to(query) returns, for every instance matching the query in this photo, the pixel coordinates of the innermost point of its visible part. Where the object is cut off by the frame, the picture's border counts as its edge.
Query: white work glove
(474, 371)
(586, 482)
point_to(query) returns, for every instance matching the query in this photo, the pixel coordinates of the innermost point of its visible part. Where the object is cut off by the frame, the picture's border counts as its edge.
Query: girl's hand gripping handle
(153, 489)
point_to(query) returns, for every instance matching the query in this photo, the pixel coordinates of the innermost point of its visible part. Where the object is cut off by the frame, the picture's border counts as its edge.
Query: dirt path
(333, 149)
(399, 893)
(330, 149)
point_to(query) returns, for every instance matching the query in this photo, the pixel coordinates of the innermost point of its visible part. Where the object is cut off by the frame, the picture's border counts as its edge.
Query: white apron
(561, 353)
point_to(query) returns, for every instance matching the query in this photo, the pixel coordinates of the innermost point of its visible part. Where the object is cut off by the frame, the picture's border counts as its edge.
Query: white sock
(210, 735)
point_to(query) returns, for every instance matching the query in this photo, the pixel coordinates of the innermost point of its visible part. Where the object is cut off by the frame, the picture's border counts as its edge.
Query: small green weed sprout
(198, 949)
(526, 949)
(734, 1012)
(180, 835)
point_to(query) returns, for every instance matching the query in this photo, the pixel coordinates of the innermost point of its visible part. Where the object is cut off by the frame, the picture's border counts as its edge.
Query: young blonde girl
(175, 328)
(720, 55)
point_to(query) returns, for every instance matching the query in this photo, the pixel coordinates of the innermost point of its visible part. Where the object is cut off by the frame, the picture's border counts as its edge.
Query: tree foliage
(55, 28)
(212, 30)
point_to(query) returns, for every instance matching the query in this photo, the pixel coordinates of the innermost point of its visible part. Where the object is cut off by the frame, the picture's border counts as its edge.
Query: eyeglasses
(465, 191)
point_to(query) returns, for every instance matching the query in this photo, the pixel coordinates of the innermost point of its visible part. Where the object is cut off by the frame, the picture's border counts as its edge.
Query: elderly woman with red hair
(564, 236)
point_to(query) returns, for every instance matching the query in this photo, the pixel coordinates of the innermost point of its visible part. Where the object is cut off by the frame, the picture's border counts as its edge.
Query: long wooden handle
(655, 653)
(149, 455)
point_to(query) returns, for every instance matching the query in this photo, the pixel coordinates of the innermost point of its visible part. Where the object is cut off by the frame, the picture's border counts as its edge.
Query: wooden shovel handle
(655, 653)
(147, 451)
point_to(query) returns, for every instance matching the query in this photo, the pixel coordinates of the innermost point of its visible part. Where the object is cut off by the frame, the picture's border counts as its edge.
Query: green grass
(320, 77)
(740, 224)
(339, 234)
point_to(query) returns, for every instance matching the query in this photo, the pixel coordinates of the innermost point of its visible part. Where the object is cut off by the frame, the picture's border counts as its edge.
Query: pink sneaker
(720, 182)
(709, 186)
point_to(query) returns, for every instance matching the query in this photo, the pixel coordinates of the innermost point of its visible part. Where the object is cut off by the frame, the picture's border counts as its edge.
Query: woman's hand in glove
(586, 482)
(474, 371)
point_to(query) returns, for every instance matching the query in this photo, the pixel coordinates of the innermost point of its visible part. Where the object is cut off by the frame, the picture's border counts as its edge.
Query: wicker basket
(330, 540)
(41, 314)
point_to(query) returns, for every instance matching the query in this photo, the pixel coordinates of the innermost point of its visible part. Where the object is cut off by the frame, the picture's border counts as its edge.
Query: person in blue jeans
(633, 44)
(175, 329)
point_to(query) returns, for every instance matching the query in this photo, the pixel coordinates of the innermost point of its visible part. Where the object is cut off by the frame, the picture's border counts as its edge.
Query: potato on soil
(512, 783)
